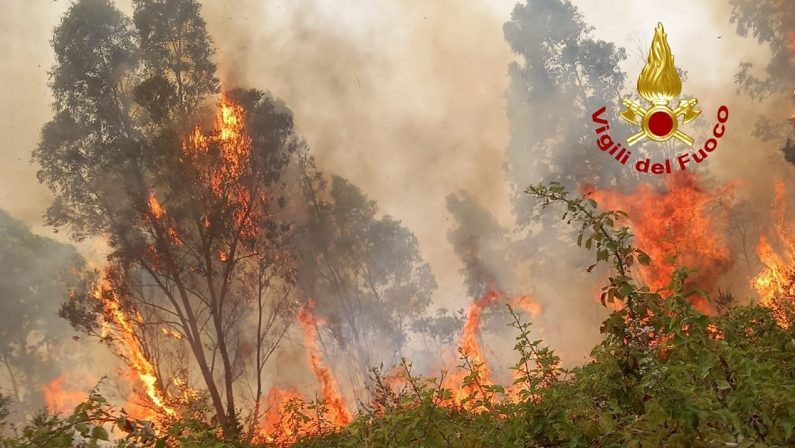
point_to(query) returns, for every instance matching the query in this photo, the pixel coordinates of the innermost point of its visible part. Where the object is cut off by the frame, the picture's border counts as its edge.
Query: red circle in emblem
(661, 123)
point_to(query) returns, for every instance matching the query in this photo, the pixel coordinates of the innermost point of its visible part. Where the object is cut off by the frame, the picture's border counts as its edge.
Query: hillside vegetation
(663, 375)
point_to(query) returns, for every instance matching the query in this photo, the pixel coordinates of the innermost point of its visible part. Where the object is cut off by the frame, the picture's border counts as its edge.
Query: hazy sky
(406, 98)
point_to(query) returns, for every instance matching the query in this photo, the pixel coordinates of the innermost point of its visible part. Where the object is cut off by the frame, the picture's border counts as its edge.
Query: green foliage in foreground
(663, 376)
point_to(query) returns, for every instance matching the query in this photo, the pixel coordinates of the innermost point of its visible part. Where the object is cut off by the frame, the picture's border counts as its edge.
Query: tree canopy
(38, 275)
(190, 200)
(364, 271)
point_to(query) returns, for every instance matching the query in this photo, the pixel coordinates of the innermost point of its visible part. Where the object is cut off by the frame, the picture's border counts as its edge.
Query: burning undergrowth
(152, 314)
(775, 284)
(681, 224)
(230, 248)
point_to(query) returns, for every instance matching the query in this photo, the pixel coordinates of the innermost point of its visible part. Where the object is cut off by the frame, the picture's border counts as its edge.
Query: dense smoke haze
(407, 100)
(436, 117)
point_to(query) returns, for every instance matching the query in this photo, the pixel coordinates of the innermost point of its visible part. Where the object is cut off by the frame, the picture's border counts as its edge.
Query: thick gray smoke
(405, 99)
(408, 100)
(39, 351)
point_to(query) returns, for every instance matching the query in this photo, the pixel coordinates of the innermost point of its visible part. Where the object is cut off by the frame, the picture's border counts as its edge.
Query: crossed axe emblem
(660, 122)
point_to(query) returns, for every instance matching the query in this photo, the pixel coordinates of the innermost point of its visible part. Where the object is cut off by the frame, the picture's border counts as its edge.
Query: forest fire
(120, 325)
(470, 348)
(382, 194)
(338, 413)
(59, 399)
(120, 329)
(684, 221)
(280, 424)
(776, 283)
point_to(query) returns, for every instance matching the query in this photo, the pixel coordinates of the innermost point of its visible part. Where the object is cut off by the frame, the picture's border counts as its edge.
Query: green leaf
(99, 433)
(82, 428)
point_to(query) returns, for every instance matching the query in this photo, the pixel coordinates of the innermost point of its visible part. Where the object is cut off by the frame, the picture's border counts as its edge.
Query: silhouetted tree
(562, 75)
(365, 272)
(38, 274)
(483, 245)
(770, 22)
(193, 212)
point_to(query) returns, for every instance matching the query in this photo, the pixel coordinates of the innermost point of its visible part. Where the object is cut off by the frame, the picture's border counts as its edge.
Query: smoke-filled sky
(406, 99)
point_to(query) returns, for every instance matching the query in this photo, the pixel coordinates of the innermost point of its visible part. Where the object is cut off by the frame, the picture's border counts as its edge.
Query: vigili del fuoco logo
(659, 84)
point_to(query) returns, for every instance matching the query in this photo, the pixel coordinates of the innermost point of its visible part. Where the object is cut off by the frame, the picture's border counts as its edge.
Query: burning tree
(364, 271)
(34, 343)
(682, 224)
(561, 76)
(199, 279)
(482, 245)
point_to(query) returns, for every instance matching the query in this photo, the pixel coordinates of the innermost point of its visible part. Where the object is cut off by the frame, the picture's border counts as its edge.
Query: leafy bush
(663, 375)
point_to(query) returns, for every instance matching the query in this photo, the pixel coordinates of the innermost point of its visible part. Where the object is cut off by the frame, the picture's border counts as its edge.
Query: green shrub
(664, 375)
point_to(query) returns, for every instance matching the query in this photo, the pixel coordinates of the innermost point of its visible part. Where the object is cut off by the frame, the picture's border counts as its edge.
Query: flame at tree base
(685, 220)
(59, 399)
(119, 328)
(338, 412)
(283, 421)
(776, 283)
(471, 351)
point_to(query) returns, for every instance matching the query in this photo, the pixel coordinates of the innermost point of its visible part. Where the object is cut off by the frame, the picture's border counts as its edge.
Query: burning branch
(776, 283)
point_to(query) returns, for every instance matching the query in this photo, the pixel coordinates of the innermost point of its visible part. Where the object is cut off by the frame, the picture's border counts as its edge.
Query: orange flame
(130, 346)
(528, 305)
(230, 137)
(154, 206)
(776, 282)
(339, 414)
(196, 142)
(173, 235)
(235, 144)
(60, 400)
(470, 346)
(274, 427)
(231, 161)
(676, 221)
(280, 424)
(230, 120)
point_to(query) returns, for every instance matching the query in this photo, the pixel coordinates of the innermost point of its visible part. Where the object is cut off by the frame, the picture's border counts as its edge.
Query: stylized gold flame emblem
(659, 84)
